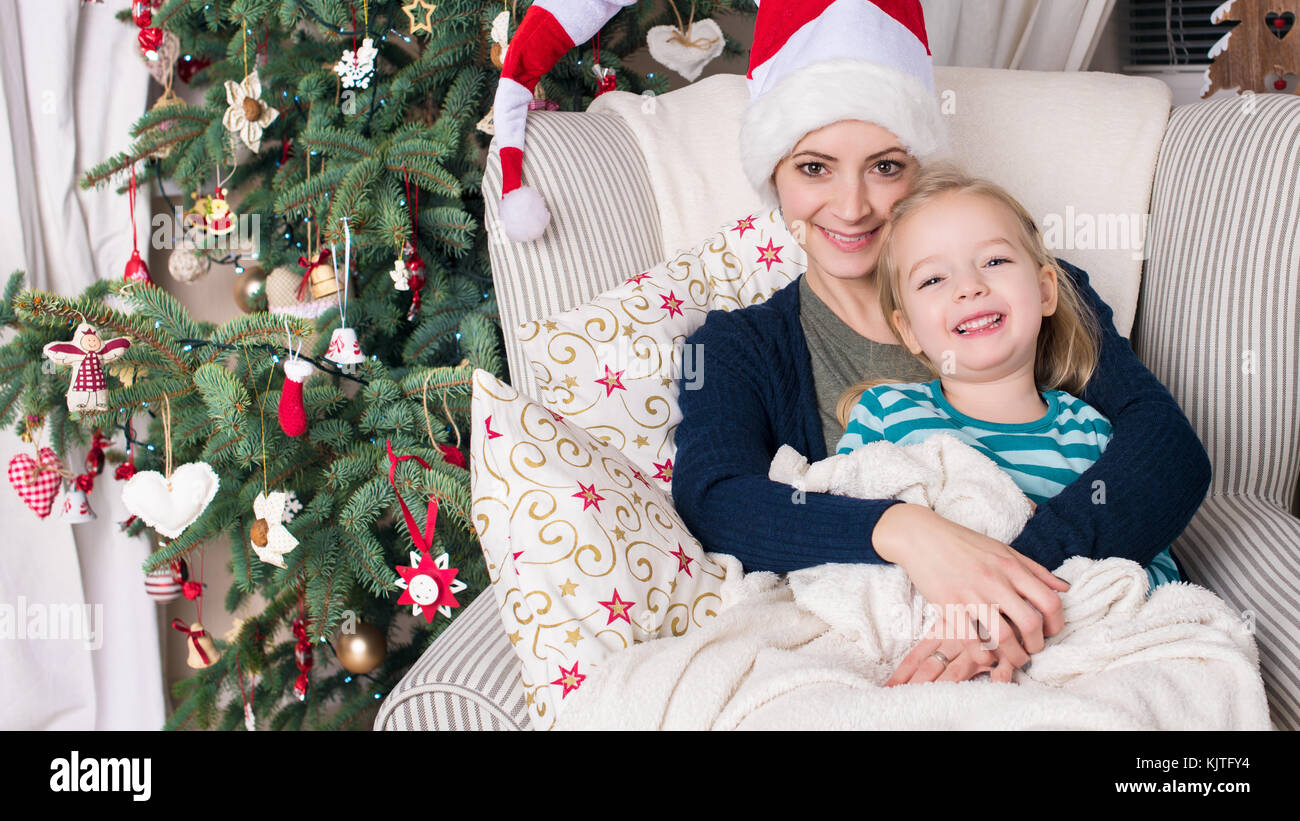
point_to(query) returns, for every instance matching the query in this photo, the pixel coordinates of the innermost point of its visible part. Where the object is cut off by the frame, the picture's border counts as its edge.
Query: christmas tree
(384, 163)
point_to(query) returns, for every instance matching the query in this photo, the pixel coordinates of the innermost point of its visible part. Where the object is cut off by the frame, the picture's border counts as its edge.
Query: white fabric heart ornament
(170, 506)
(686, 54)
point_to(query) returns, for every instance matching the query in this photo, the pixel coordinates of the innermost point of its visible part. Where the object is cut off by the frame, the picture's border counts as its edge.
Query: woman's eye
(890, 163)
(807, 165)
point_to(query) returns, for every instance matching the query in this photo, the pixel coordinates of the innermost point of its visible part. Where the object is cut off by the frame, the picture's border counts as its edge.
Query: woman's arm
(724, 451)
(1136, 499)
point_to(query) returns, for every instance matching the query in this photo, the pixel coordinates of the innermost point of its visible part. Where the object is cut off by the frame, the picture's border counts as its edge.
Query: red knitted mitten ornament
(293, 417)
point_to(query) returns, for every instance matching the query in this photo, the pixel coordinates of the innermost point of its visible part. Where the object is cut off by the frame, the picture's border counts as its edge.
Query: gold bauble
(250, 290)
(363, 649)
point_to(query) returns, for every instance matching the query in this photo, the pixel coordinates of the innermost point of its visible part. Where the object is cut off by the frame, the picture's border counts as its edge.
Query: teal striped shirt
(1043, 456)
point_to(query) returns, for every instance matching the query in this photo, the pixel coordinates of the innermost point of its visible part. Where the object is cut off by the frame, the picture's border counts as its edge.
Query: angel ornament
(271, 539)
(87, 352)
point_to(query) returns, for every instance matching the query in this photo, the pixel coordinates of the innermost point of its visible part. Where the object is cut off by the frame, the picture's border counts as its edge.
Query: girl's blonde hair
(1068, 341)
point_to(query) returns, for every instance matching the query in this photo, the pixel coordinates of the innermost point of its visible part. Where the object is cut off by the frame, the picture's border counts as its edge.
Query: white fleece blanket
(811, 650)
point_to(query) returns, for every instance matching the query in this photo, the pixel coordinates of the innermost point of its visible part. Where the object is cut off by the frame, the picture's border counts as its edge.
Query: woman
(834, 135)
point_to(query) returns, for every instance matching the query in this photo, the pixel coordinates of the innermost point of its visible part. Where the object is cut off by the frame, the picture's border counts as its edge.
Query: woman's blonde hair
(1068, 341)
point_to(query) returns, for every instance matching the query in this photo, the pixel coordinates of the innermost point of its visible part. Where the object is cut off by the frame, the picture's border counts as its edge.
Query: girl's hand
(952, 565)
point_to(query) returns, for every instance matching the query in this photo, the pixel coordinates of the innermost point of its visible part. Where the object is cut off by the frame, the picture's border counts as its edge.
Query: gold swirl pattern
(615, 364)
(585, 553)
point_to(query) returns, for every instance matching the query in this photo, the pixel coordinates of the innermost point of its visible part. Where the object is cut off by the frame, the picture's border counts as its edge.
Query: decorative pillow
(585, 555)
(613, 365)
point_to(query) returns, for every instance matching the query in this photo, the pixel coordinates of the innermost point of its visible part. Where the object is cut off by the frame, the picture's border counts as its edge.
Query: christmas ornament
(167, 99)
(203, 653)
(452, 455)
(209, 217)
(169, 504)
(37, 483)
(344, 349)
(250, 289)
(246, 114)
(126, 372)
(414, 266)
(685, 49)
(356, 67)
(605, 79)
(189, 65)
(282, 295)
(292, 414)
(162, 585)
(76, 507)
(136, 270)
(1256, 55)
(429, 585)
(500, 37)
(270, 538)
(320, 274)
(95, 456)
(362, 650)
(401, 276)
(302, 655)
(191, 590)
(141, 13)
(188, 266)
(424, 11)
(539, 42)
(292, 507)
(87, 391)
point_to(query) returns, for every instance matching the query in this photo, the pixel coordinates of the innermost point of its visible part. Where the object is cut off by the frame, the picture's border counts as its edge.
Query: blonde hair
(1068, 341)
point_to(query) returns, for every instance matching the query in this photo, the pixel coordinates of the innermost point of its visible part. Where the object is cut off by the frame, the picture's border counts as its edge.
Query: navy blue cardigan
(756, 394)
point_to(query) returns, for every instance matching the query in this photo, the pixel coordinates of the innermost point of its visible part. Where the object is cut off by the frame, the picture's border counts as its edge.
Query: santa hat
(817, 62)
(550, 28)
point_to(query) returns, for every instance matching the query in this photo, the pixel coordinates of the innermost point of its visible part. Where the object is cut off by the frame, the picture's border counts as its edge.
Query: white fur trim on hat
(827, 92)
(523, 214)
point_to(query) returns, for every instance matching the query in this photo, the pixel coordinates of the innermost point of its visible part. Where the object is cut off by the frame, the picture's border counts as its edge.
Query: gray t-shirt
(841, 357)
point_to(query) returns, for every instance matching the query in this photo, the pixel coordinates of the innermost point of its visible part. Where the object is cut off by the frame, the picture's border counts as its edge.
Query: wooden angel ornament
(1261, 54)
(87, 353)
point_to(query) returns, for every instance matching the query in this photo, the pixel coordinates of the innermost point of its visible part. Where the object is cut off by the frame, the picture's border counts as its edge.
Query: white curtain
(1031, 35)
(72, 86)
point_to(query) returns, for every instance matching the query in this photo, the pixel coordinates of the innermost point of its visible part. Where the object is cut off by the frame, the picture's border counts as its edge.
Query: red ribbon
(423, 540)
(321, 258)
(194, 636)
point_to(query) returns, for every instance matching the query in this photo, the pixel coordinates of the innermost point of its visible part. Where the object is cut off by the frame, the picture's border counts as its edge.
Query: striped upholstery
(468, 680)
(1219, 324)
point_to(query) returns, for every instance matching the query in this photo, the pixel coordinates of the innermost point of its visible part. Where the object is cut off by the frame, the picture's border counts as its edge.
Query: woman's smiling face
(836, 190)
(968, 289)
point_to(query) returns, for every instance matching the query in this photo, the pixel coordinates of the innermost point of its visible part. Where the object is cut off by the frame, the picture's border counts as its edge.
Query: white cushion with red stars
(615, 364)
(585, 556)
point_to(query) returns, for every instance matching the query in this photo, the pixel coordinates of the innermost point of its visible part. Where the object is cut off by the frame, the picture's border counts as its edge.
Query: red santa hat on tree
(817, 62)
(813, 63)
(550, 28)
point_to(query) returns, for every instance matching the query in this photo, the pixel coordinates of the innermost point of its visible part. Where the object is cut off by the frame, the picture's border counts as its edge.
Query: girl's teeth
(979, 324)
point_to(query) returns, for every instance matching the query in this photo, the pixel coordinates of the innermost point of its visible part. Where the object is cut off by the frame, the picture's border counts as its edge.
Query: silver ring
(941, 657)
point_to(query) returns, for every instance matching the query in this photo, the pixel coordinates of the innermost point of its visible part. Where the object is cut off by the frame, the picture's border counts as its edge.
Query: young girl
(970, 290)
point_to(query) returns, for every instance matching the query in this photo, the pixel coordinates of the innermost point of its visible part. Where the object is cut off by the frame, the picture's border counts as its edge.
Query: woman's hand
(921, 665)
(952, 565)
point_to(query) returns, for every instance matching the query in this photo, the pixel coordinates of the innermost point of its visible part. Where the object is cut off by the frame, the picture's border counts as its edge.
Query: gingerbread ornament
(87, 352)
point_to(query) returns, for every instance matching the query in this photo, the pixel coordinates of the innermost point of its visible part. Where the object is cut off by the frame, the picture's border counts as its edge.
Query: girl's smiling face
(972, 299)
(837, 188)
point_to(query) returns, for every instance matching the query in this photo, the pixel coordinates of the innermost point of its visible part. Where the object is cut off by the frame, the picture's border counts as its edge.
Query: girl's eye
(927, 282)
(997, 259)
(806, 165)
(895, 163)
